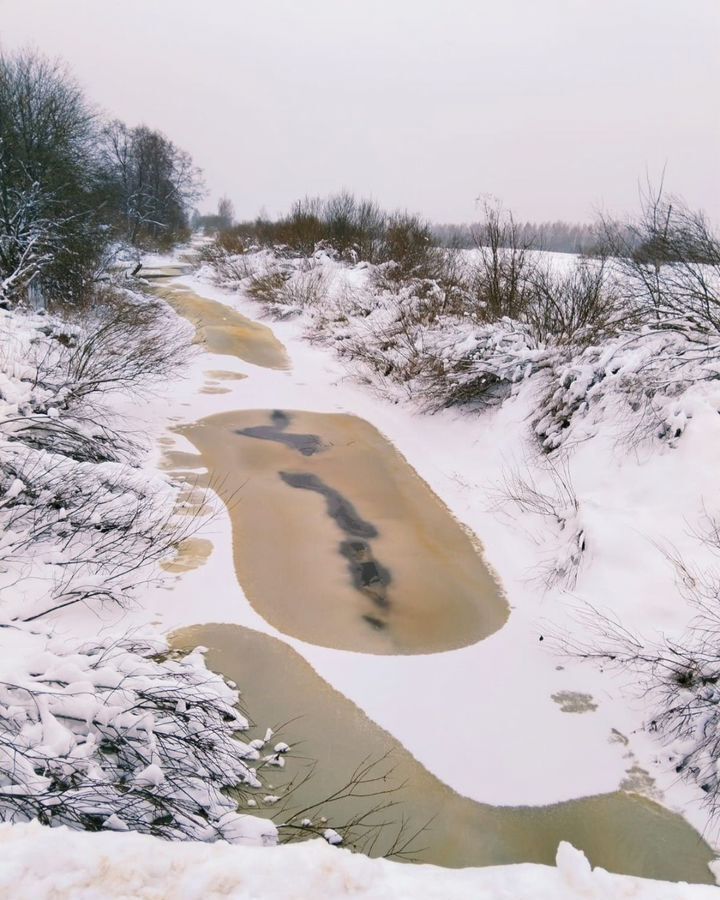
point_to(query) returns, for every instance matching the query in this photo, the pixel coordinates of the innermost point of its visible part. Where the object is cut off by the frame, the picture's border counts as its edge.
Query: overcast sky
(558, 107)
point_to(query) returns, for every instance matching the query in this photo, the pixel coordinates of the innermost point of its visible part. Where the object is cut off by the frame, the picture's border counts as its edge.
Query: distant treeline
(342, 220)
(359, 230)
(561, 237)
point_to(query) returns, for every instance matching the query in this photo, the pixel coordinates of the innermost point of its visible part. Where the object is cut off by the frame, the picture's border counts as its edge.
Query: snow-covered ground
(135, 867)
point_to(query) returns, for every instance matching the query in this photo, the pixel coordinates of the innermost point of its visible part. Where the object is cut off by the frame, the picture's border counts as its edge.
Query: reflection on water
(220, 329)
(307, 444)
(621, 832)
(337, 540)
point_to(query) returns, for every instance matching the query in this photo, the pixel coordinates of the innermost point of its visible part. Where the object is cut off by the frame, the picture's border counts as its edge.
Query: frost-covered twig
(544, 488)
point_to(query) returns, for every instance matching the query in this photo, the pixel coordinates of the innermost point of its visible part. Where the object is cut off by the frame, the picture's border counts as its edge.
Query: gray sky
(558, 107)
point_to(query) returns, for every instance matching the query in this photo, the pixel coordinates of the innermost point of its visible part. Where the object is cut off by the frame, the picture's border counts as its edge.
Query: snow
(126, 866)
(495, 698)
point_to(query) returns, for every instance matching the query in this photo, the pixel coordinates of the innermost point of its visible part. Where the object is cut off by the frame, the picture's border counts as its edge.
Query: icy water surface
(621, 832)
(220, 329)
(190, 554)
(336, 539)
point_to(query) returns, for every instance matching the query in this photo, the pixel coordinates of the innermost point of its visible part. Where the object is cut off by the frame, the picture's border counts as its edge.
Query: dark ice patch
(368, 575)
(339, 508)
(307, 444)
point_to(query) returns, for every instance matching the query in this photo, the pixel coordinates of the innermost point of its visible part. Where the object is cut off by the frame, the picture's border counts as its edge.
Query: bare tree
(225, 212)
(669, 263)
(153, 183)
(501, 281)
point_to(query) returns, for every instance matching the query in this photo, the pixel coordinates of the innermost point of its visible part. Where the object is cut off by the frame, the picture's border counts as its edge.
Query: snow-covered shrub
(482, 365)
(306, 288)
(72, 504)
(121, 342)
(574, 307)
(92, 531)
(52, 365)
(545, 491)
(648, 371)
(115, 734)
(407, 250)
(284, 284)
(443, 341)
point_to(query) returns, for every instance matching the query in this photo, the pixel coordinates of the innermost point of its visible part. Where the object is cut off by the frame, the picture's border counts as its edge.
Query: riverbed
(293, 472)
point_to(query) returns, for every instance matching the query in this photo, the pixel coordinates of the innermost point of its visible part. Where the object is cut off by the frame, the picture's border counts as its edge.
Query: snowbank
(136, 866)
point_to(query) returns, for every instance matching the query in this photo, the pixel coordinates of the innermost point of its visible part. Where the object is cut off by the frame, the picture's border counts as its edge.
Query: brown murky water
(190, 554)
(336, 539)
(222, 375)
(621, 832)
(220, 329)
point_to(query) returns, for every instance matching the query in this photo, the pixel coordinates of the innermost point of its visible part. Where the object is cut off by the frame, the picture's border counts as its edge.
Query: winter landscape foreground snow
(85, 866)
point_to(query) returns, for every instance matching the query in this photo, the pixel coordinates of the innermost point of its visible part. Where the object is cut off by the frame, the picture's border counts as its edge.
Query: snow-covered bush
(72, 504)
(54, 372)
(92, 531)
(115, 734)
(118, 341)
(634, 330)
(545, 491)
(649, 371)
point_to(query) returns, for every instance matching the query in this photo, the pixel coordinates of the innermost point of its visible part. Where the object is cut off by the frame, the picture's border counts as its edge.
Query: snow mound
(126, 865)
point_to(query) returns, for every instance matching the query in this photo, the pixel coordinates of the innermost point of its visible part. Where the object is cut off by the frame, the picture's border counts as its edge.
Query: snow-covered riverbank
(135, 867)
